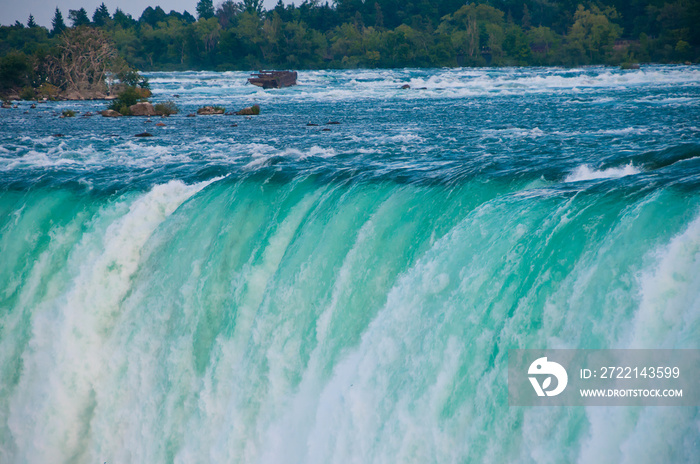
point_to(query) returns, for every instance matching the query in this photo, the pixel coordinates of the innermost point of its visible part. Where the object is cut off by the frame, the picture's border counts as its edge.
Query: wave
(585, 172)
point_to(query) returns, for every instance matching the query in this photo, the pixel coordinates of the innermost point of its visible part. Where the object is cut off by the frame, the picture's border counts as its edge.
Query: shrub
(130, 96)
(167, 108)
(219, 109)
(256, 109)
(68, 113)
(49, 91)
(27, 93)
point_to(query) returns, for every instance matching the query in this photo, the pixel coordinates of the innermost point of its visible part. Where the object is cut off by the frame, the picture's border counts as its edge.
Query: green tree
(593, 32)
(101, 15)
(79, 17)
(57, 23)
(31, 22)
(205, 9)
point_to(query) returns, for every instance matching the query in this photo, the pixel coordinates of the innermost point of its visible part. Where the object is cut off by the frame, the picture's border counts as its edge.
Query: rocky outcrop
(110, 114)
(249, 111)
(142, 109)
(210, 110)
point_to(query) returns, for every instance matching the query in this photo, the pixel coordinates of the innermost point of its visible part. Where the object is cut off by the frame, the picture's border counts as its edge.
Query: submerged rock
(142, 109)
(330, 123)
(191, 115)
(312, 124)
(405, 86)
(143, 134)
(110, 114)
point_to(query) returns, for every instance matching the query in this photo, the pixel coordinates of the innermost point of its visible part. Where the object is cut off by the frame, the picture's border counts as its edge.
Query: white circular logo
(542, 367)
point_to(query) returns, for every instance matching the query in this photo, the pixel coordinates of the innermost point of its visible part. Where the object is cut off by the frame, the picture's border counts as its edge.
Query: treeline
(374, 33)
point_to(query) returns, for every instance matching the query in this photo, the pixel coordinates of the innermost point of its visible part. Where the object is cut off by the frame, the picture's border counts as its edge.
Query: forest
(362, 34)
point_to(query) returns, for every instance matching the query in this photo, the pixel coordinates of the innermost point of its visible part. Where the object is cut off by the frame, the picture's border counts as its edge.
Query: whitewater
(277, 289)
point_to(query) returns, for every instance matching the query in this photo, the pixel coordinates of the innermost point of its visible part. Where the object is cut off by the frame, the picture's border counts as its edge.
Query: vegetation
(128, 97)
(166, 108)
(68, 113)
(354, 33)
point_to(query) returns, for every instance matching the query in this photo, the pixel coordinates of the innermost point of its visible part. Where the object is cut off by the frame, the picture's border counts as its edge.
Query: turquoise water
(273, 292)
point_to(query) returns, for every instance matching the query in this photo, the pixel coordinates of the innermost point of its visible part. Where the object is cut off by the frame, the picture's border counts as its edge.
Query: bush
(49, 91)
(27, 93)
(130, 96)
(256, 109)
(167, 108)
(219, 109)
(68, 113)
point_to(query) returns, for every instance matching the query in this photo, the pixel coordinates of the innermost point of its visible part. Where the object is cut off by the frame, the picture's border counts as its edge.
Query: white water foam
(585, 172)
(65, 359)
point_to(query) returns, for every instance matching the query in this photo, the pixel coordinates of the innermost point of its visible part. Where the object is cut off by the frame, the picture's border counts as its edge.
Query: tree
(57, 23)
(253, 6)
(101, 15)
(205, 9)
(227, 13)
(83, 59)
(123, 19)
(31, 22)
(79, 17)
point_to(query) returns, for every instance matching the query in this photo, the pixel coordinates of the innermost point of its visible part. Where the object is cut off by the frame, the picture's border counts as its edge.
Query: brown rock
(110, 114)
(160, 124)
(206, 110)
(249, 111)
(405, 86)
(142, 109)
(143, 134)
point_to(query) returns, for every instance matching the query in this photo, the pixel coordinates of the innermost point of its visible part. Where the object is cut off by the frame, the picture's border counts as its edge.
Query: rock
(58, 135)
(311, 124)
(74, 95)
(330, 123)
(325, 130)
(143, 134)
(6, 105)
(87, 115)
(206, 110)
(249, 111)
(176, 96)
(688, 63)
(110, 114)
(405, 86)
(33, 106)
(191, 115)
(234, 125)
(160, 124)
(142, 109)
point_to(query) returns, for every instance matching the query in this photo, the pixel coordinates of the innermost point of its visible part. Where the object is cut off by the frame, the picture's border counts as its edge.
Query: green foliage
(27, 93)
(15, 70)
(130, 96)
(101, 15)
(222, 109)
(240, 34)
(68, 113)
(79, 17)
(166, 108)
(31, 22)
(57, 23)
(205, 9)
